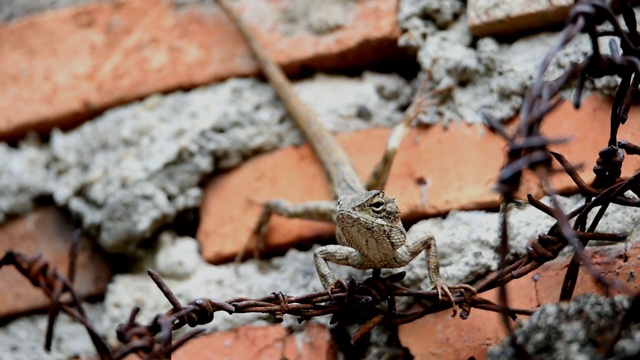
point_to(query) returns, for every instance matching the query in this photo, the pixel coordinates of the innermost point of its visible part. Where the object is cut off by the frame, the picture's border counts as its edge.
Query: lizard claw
(441, 287)
(339, 284)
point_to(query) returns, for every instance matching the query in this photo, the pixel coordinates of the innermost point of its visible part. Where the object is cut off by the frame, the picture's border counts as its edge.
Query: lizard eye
(377, 206)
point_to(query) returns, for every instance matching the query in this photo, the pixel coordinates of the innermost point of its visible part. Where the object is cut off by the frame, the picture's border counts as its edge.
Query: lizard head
(368, 216)
(371, 207)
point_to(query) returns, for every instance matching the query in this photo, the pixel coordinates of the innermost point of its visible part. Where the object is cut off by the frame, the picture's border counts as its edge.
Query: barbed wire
(54, 285)
(528, 148)
(373, 301)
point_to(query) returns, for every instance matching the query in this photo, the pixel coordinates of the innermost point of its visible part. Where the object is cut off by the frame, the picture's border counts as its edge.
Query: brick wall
(126, 118)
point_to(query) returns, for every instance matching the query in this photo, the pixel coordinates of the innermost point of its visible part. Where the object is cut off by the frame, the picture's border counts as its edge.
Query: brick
(495, 17)
(48, 232)
(264, 342)
(61, 67)
(428, 153)
(443, 337)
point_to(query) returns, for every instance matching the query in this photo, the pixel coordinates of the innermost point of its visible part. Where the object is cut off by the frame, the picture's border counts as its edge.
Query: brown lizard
(369, 232)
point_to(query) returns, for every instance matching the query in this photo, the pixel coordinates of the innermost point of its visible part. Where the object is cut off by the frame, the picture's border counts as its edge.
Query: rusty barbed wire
(368, 304)
(46, 277)
(528, 148)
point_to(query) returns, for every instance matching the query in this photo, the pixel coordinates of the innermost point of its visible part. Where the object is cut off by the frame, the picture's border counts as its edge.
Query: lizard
(369, 232)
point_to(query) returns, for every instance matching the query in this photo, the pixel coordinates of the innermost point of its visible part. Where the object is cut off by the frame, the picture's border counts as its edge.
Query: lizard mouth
(352, 217)
(346, 213)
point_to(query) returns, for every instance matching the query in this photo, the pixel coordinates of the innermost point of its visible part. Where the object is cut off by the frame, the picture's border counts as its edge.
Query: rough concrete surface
(424, 17)
(579, 329)
(318, 17)
(14, 9)
(23, 177)
(129, 171)
(23, 338)
(485, 75)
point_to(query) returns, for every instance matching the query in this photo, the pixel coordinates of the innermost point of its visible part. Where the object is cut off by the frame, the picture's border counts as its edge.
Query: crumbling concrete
(15, 9)
(23, 178)
(579, 329)
(484, 75)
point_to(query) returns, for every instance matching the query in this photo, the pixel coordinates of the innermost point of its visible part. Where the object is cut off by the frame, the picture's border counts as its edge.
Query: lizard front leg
(337, 254)
(313, 210)
(416, 242)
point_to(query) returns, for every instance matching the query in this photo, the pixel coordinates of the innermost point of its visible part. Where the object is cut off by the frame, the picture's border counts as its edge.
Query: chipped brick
(261, 342)
(63, 66)
(48, 232)
(495, 17)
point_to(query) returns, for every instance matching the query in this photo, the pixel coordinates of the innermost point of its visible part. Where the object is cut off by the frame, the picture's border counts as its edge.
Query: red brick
(443, 337)
(62, 66)
(47, 231)
(265, 342)
(496, 17)
(229, 210)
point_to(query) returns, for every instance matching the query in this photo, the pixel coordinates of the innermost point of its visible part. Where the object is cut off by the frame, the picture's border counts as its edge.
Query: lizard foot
(442, 286)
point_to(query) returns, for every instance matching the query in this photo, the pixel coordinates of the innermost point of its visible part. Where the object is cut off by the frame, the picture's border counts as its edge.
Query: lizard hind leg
(426, 241)
(313, 210)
